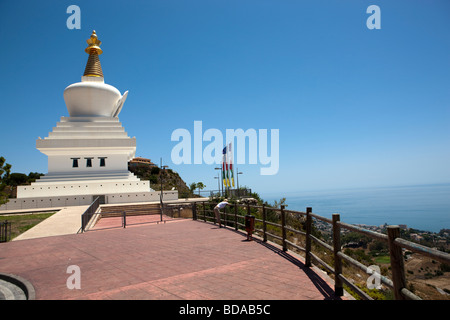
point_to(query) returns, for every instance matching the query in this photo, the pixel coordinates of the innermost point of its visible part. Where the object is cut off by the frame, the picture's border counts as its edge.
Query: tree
(377, 246)
(200, 186)
(33, 176)
(192, 187)
(277, 204)
(355, 237)
(196, 185)
(155, 170)
(16, 179)
(5, 169)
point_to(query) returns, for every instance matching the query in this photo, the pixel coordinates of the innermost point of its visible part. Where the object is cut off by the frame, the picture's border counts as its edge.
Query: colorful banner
(224, 161)
(227, 166)
(230, 155)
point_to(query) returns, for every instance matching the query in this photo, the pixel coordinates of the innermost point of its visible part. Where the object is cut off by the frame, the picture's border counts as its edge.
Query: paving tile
(181, 259)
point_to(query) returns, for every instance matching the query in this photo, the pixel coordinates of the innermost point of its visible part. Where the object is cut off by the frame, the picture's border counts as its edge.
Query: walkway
(182, 259)
(65, 221)
(117, 222)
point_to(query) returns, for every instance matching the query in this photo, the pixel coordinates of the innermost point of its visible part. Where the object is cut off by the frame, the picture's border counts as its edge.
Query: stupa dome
(92, 97)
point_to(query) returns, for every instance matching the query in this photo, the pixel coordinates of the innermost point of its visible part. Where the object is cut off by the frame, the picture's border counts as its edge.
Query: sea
(422, 207)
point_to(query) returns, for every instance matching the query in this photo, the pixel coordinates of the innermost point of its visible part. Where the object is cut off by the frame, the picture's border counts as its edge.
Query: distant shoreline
(420, 207)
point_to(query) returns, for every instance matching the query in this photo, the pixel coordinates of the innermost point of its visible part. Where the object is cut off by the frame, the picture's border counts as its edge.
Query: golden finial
(94, 44)
(93, 66)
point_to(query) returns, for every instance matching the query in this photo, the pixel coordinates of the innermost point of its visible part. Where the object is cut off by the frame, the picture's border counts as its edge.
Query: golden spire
(93, 66)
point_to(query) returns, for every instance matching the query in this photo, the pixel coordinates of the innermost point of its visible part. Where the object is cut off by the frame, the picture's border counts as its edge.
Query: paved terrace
(179, 259)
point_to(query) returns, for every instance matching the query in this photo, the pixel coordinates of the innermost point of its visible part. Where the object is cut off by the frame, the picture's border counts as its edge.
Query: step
(130, 210)
(11, 291)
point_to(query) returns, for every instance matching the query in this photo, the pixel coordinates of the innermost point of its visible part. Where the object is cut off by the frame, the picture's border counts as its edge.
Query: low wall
(140, 197)
(60, 189)
(80, 200)
(46, 202)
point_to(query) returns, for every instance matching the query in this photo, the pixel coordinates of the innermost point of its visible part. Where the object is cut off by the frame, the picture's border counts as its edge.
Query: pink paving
(116, 222)
(175, 260)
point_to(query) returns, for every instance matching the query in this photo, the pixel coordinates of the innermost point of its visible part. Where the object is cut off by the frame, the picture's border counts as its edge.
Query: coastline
(421, 207)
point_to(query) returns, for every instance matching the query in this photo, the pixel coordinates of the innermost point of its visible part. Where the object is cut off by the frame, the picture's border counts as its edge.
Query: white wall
(62, 164)
(53, 202)
(80, 188)
(141, 197)
(46, 202)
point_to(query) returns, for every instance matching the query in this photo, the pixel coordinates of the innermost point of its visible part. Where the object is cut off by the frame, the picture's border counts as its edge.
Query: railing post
(4, 231)
(235, 217)
(214, 214)
(338, 286)
(225, 216)
(283, 227)
(308, 238)
(397, 265)
(194, 211)
(204, 212)
(264, 223)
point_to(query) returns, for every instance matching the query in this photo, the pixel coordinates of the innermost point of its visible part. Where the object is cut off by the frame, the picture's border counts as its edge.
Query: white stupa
(88, 152)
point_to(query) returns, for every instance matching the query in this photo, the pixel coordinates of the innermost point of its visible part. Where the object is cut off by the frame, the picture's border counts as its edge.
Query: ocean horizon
(423, 207)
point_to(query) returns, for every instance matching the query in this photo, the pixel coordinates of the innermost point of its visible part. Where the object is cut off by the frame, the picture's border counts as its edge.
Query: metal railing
(242, 192)
(204, 211)
(5, 231)
(89, 213)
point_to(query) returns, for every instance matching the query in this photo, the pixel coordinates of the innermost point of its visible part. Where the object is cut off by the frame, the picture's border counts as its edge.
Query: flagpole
(223, 171)
(221, 185)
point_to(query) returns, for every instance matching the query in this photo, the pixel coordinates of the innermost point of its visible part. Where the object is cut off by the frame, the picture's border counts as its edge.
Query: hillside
(170, 179)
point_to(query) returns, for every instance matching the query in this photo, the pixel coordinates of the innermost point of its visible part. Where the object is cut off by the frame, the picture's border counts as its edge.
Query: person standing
(217, 208)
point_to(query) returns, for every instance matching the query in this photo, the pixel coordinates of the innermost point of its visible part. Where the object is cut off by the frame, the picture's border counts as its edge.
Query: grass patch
(23, 222)
(382, 260)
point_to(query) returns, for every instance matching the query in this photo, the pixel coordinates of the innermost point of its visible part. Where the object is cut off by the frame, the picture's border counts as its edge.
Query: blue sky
(354, 107)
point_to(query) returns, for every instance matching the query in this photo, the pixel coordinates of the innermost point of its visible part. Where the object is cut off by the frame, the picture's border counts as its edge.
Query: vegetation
(200, 186)
(22, 222)
(168, 178)
(196, 185)
(5, 169)
(429, 239)
(9, 181)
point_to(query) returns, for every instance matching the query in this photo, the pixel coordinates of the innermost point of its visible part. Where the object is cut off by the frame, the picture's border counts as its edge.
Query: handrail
(369, 233)
(398, 282)
(320, 218)
(429, 252)
(89, 213)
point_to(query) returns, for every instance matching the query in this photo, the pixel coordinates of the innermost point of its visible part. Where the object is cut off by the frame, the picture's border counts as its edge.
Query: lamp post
(237, 176)
(163, 170)
(220, 184)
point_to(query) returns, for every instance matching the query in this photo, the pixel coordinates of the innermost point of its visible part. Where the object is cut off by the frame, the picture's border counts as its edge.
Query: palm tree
(192, 187)
(200, 186)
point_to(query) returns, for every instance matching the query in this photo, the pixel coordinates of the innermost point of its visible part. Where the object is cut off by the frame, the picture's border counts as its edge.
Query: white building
(88, 152)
